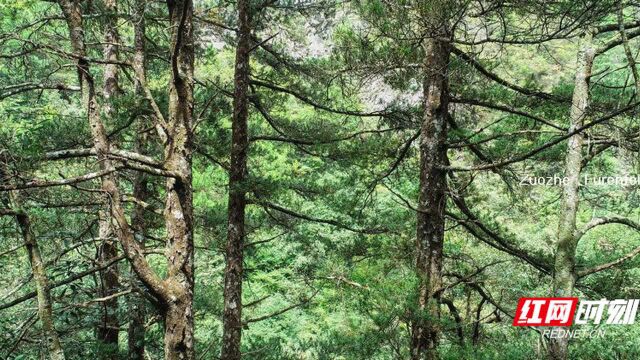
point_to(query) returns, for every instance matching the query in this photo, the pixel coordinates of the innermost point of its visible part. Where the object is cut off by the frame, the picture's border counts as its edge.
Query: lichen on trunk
(45, 308)
(175, 292)
(108, 328)
(564, 276)
(425, 329)
(232, 318)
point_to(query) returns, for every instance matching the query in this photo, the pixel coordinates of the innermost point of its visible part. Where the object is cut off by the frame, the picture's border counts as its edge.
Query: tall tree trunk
(38, 269)
(425, 329)
(564, 265)
(136, 302)
(136, 332)
(45, 310)
(175, 292)
(108, 328)
(232, 320)
(178, 213)
(625, 155)
(627, 49)
(110, 51)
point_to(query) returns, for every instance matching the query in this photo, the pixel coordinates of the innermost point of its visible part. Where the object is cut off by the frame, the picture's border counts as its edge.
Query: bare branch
(318, 220)
(606, 220)
(74, 153)
(317, 105)
(280, 312)
(547, 145)
(507, 109)
(609, 265)
(39, 183)
(476, 65)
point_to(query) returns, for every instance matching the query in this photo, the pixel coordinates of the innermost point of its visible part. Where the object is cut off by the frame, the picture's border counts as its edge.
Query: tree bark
(564, 265)
(178, 213)
(136, 303)
(175, 292)
(108, 328)
(38, 268)
(45, 310)
(110, 51)
(137, 306)
(627, 49)
(232, 319)
(425, 329)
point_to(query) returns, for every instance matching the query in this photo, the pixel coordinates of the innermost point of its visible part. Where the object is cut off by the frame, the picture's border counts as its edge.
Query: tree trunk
(232, 319)
(178, 330)
(137, 306)
(137, 303)
(564, 265)
(110, 51)
(627, 49)
(45, 310)
(108, 328)
(175, 293)
(425, 328)
(136, 332)
(38, 269)
(178, 211)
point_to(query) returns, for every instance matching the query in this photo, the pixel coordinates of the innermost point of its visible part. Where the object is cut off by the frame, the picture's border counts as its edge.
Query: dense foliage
(338, 104)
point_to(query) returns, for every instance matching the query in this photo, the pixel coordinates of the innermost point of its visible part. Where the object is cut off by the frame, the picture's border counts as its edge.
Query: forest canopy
(318, 179)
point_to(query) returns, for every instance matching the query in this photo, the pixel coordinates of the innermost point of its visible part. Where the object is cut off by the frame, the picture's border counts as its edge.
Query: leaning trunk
(38, 269)
(45, 310)
(425, 328)
(232, 319)
(175, 293)
(564, 266)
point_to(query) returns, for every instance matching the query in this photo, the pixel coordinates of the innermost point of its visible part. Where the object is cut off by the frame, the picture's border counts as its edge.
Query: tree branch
(545, 146)
(476, 65)
(39, 183)
(280, 312)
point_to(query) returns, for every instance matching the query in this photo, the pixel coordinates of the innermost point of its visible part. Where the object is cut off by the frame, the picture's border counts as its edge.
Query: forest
(319, 179)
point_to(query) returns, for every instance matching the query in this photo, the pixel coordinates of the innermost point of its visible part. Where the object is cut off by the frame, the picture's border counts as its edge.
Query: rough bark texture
(425, 328)
(178, 213)
(45, 310)
(73, 16)
(38, 269)
(136, 303)
(175, 293)
(564, 266)
(136, 331)
(111, 39)
(627, 49)
(108, 329)
(232, 320)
